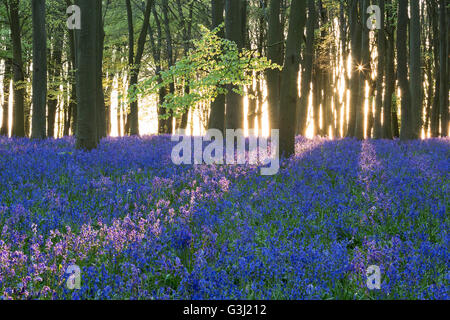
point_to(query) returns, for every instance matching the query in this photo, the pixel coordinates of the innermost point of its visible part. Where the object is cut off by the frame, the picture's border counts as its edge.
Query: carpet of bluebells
(140, 227)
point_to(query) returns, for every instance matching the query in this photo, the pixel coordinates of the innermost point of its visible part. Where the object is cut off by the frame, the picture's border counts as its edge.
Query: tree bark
(133, 117)
(87, 51)
(363, 74)
(170, 60)
(233, 32)
(402, 70)
(416, 78)
(434, 121)
(101, 110)
(54, 72)
(73, 90)
(307, 64)
(39, 69)
(356, 74)
(275, 41)
(443, 74)
(18, 126)
(4, 130)
(390, 83)
(217, 116)
(186, 27)
(378, 130)
(289, 78)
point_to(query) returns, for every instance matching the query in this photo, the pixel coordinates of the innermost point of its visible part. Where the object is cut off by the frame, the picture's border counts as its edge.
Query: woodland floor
(140, 227)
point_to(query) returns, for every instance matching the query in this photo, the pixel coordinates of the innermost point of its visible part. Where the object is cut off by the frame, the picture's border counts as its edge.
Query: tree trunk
(402, 70)
(356, 74)
(186, 27)
(416, 78)
(378, 131)
(73, 89)
(390, 83)
(101, 112)
(289, 78)
(316, 101)
(156, 50)
(217, 116)
(233, 32)
(363, 74)
(170, 60)
(4, 130)
(108, 102)
(307, 65)
(346, 52)
(134, 62)
(87, 51)
(434, 121)
(275, 41)
(18, 126)
(443, 74)
(54, 72)
(39, 69)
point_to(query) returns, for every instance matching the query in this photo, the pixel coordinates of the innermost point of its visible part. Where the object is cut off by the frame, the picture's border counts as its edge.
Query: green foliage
(207, 70)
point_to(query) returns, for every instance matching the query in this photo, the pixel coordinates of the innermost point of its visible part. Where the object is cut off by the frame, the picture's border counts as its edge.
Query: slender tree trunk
(435, 107)
(316, 101)
(55, 72)
(133, 117)
(4, 130)
(233, 31)
(170, 59)
(275, 40)
(390, 85)
(120, 90)
(356, 74)
(443, 74)
(378, 131)
(416, 78)
(370, 113)
(186, 27)
(130, 53)
(108, 102)
(156, 50)
(363, 74)
(327, 116)
(217, 116)
(252, 101)
(289, 79)
(345, 51)
(73, 89)
(402, 70)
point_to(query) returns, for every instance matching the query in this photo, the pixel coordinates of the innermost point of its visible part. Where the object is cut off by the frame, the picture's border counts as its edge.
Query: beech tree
(275, 41)
(39, 69)
(234, 116)
(134, 61)
(87, 51)
(443, 74)
(416, 78)
(217, 116)
(289, 77)
(402, 69)
(13, 13)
